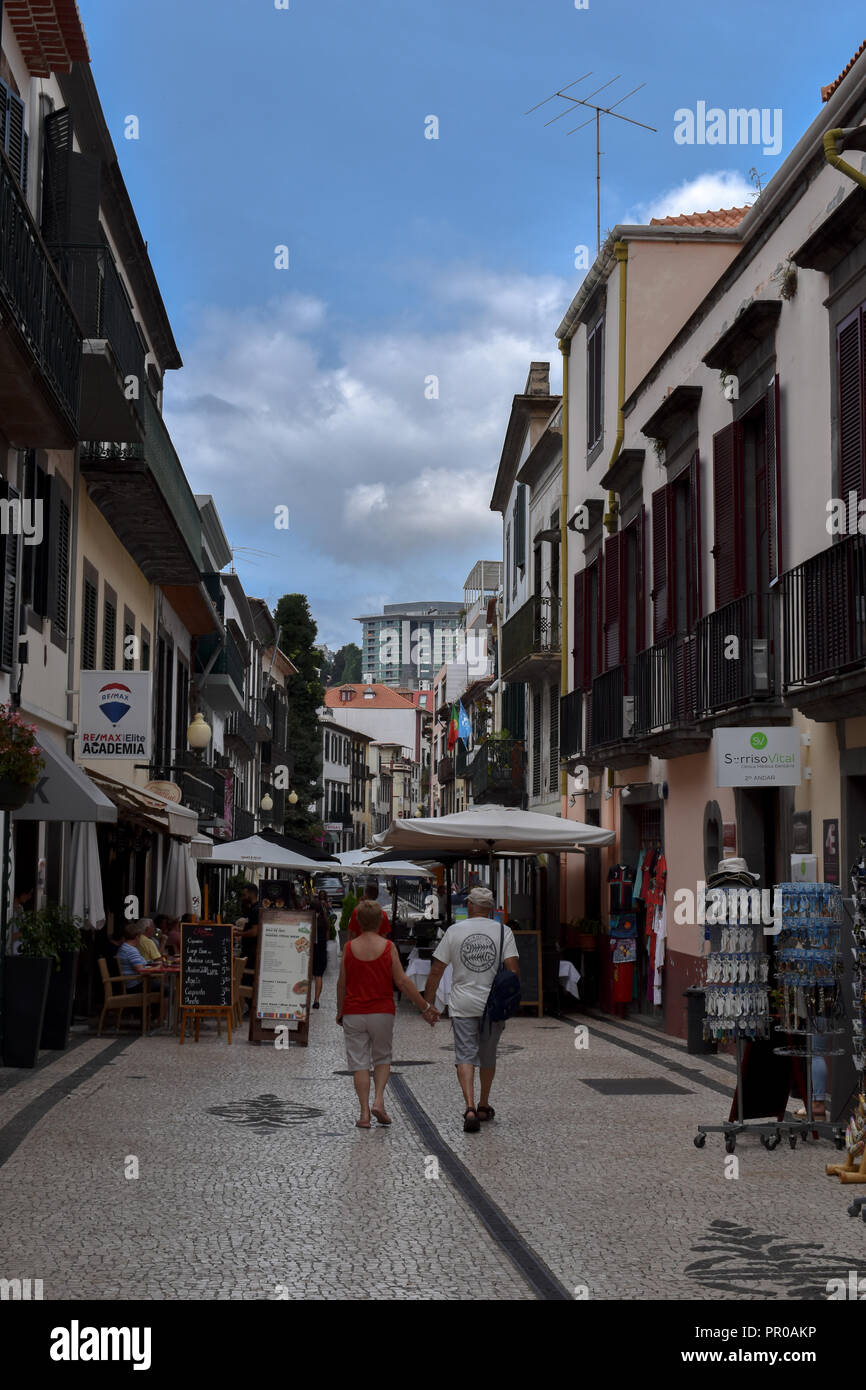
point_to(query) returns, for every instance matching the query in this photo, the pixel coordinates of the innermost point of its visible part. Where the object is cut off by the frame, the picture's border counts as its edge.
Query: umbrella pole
(447, 893)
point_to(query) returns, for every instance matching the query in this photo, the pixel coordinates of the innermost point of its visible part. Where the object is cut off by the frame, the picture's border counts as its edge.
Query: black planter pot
(13, 794)
(25, 993)
(58, 1009)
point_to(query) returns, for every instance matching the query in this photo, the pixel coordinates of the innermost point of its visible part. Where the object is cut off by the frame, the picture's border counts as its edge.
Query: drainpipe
(620, 252)
(565, 349)
(854, 138)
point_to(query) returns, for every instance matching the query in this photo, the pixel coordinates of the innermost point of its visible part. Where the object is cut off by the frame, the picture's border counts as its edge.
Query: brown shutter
(728, 537)
(59, 545)
(850, 374)
(612, 601)
(9, 568)
(694, 597)
(773, 475)
(640, 585)
(659, 593)
(579, 651)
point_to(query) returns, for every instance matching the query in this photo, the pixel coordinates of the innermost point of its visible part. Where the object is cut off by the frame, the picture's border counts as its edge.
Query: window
(181, 709)
(536, 743)
(9, 564)
(163, 686)
(587, 625)
(519, 523)
(747, 514)
(554, 738)
(109, 629)
(58, 560)
(128, 631)
(145, 649)
(595, 384)
(507, 586)
(676, 554)
(35, 558)
(89, 611)
(13, 137)
(850, 373)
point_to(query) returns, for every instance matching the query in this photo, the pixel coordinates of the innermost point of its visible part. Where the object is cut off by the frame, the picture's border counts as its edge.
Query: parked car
(332, 885)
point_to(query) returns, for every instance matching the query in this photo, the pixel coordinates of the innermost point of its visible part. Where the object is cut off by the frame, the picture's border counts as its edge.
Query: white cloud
(706, 192)
(388, 490)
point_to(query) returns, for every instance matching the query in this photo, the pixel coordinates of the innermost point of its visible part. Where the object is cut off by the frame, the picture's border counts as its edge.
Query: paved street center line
(17, 1129)
(532, 1268)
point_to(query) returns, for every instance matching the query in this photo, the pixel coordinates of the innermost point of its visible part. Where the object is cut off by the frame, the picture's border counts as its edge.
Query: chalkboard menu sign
(529, 951)
(205, 965)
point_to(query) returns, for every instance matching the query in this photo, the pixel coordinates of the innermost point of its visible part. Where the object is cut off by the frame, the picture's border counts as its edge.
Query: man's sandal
(471, 1126)
(485, 1112)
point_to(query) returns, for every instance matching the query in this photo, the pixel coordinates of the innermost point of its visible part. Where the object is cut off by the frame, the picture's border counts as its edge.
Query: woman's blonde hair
(369, 915)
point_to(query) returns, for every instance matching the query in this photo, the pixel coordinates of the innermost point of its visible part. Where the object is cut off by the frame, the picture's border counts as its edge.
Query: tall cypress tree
(305, 694)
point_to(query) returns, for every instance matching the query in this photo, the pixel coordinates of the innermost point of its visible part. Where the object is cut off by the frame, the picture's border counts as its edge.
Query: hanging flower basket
(20, 759)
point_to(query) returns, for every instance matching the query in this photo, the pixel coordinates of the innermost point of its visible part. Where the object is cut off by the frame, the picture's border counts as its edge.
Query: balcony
(203, 791)
(142, 492)
(223, 686)
(277, 755)
(531, 641)
(239, 732)
(263, 720)
(243, 823)
(499, 772)
(665, 700)
(824, 632)
(445, 769)
(40, 340)
(461, 760)
(734, 676)
(113, 348)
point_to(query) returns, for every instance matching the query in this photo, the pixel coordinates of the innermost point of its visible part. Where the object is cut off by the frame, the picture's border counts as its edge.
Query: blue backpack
(504, 997)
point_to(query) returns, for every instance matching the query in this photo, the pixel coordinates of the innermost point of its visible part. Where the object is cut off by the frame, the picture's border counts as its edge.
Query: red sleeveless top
(369, 984)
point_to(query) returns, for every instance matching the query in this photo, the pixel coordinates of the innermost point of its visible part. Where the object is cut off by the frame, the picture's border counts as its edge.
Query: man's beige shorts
(368, 1040)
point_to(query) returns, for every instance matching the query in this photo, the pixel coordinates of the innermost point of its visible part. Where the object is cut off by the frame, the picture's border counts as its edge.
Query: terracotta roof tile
(384, 698)
(723, 217)
(827, 92)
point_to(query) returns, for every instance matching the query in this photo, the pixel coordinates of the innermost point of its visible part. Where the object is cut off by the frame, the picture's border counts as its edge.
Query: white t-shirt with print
(472, 949)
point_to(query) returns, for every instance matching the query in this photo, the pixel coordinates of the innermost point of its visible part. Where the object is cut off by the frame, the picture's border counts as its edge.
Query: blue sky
(408, 256)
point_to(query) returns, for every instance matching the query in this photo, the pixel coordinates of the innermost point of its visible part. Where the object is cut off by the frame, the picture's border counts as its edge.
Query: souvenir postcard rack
(853, 1170)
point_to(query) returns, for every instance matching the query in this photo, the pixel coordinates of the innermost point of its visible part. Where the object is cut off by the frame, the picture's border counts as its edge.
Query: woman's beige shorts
(368, 1039)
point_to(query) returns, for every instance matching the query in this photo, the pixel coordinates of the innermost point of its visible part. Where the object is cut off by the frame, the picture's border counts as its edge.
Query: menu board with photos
(205, 965)
(284, 966)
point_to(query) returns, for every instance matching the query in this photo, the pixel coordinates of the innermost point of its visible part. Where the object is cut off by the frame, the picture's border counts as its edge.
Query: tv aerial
(599, 111)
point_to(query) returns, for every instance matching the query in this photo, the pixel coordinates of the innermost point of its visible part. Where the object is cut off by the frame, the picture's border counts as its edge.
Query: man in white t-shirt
(472, 949)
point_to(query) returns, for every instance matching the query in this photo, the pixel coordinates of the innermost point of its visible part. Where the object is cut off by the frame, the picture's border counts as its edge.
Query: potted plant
(62, 932)
(26, 977)
(350, 902)
(20, 759)
(587, 934)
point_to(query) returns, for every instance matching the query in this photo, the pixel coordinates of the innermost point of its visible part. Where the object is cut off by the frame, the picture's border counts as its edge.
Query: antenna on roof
(563, 93)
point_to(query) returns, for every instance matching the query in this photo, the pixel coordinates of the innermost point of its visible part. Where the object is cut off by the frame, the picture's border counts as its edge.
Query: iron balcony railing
(665, 692)
(97, 295)
(607, 703)
(499, 770)
(243, 823)
(239, 727)
(824, 614)
(230, 661)
(262, 718)
(727, 671)
(276, 755)
(33, 297)
(534, 630)
(571, 724)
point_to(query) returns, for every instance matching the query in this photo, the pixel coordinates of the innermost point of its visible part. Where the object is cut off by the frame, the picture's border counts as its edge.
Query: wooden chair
(119, 998)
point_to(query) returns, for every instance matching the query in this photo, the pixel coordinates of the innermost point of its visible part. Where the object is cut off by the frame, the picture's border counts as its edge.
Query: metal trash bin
(696, 1043)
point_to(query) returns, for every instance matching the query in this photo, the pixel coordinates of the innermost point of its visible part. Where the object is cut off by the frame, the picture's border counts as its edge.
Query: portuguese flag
(452, 728)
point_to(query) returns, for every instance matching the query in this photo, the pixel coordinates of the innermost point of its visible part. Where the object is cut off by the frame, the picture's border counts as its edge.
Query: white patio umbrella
(491, 830)
(175, 897)
(359, 862)
(86, 891)
(262, 854)
(194, 887)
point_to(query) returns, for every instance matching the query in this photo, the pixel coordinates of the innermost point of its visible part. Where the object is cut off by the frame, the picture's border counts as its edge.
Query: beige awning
(147, 808)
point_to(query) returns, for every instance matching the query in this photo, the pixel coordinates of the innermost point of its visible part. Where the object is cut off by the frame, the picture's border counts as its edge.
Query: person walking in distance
(371, 894)
(471, 948)
(322, 927)
(369, 970)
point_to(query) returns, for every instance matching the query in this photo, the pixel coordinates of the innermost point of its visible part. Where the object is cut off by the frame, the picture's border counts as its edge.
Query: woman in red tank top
(369, 971)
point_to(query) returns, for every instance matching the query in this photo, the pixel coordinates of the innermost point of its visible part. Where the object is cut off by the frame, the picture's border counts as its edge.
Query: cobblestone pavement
(254, 1183)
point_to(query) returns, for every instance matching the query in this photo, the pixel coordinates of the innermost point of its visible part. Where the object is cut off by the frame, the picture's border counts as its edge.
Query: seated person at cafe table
(147, 939)
(168, 930)
(371, 894)
(247, 927)
(130, 961)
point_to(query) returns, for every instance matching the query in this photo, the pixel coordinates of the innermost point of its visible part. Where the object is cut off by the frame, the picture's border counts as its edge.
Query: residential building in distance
(335, 809)
(406, 643)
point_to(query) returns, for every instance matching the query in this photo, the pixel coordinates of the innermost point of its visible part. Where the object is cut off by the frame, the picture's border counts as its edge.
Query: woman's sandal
(485, 1112)
(471, 1126)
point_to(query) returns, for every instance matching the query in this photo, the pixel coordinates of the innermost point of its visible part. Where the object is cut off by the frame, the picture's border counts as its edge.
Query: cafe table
(170, 971)
(418, 970)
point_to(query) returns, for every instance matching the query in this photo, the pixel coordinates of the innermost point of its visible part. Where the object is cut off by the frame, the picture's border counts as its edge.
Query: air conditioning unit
(761, 665)
(627, 715)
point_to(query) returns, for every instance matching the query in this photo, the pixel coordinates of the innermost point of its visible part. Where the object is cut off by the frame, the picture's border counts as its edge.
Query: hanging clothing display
(660, 932)
(809, 958)
(620, 880)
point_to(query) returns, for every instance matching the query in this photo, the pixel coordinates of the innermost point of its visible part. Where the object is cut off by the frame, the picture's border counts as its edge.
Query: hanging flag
(464, 726)
(452, 728)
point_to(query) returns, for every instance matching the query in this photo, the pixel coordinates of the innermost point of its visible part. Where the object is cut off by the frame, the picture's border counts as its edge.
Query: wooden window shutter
(536, 741)
(89, 609)
(660, 589)
(109, 631)
(773, 475)
(553, 730)
(579, 651)
(520, 527)
(9, 550)
(13, 137)
(694, 595)
(57, 135)
(728, 537)
(640, 581)
(852, 405)
(612, 601)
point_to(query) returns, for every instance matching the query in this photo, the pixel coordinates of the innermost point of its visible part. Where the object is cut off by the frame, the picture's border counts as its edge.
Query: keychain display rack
(808, 969)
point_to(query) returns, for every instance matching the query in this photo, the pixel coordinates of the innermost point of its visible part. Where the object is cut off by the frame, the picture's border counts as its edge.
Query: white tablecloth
(569, 977)
(418, 971)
